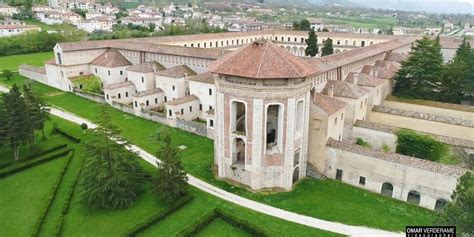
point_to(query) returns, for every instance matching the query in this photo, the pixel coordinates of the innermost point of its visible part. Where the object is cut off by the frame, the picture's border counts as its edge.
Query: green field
(35, 59)
(330, 200)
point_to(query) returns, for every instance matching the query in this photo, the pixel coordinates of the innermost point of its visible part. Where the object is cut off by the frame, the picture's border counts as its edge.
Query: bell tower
(262, 115)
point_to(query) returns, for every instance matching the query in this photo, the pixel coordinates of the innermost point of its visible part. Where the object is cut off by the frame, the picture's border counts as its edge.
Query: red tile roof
(146, 67)
(111, 58)
(328, 104)
(203, 77)
(176, 72)
(344, 89)
(365, 80)
(262, 60)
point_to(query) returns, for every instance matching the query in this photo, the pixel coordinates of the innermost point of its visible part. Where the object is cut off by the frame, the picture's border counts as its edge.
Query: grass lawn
(218, 226)
(330, 200)
(23, 197)
(35, 59)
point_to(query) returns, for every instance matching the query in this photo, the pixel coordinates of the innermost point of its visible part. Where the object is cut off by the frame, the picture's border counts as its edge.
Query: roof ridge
(261, 59)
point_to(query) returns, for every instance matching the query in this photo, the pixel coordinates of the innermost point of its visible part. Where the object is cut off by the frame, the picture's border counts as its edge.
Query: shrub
(385, 148)
(34, 155)
(363, 143)
(66, 135)
(84, 126)
(155, 218)
(52, 195)
(18, 167)
(422, 146)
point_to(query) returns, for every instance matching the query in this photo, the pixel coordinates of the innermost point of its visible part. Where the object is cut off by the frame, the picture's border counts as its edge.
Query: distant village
(226, 16)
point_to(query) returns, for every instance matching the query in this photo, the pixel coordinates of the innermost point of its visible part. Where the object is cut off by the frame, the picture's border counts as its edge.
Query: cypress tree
(3, 124)
(419, 76)
(112, 174)
(170, 181)
(455, 75)
(312, 45)
(18, 128)
(37, 109)
(327, 48)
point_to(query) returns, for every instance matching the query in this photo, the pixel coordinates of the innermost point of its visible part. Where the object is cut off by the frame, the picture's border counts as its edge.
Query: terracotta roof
(203, 77)
(378, 71)
(146, 67)
(262, 60)
(365, 80)
(182, 100)
(111, 58)
(328, 104)
(149, 92)
(31, 68)
(398, 158)
(119, 85)
(344, 89)
(396, 57)
(176, 72)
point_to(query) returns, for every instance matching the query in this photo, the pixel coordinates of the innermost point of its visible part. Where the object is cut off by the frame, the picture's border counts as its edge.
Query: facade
(16, 29)
(275, 117)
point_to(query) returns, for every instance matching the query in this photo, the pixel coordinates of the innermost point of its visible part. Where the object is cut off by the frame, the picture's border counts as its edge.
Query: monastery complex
(275, 115)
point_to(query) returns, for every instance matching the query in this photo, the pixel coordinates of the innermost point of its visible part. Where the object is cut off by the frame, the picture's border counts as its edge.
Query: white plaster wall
(148, 80)
(188, 115)
(201, 90)
(126, 94)
(167, 83)
(336, 129)
(357, 109)
(77, 57)
(154, 100)
(114, 77)
(55, 79)
(430, 185)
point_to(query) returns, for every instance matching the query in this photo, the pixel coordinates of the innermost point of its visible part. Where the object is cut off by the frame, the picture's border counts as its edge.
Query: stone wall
(427, 123)
(433, 181)
(91, 96)
(34, 73)
(440, 109)
(193, 127)
(376, 138)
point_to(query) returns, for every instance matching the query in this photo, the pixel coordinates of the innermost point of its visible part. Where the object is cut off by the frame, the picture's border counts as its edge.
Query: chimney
(355, 78)
(331, 90)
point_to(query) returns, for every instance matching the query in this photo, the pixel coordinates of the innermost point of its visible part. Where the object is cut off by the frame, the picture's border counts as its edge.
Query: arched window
(296, 174)
(387, 189)
(413, 197)
(440, 203)
(238, 151)
(60, 61)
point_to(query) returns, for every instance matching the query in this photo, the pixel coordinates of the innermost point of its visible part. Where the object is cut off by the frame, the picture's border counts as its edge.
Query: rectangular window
(361, 103)
(143, 80)
(200, 107)
(173, 87)
(136, 104)
(170, 113)
(342, 116)
(156, 100)
(121, 72)
(166, 99)
(182, 111)
(210, 107)
(339, 175)
(211, 123)
(210, 91)
(95, 70)
(147, 103)
(335, 121)
(190, 109)
(126, 93)
(362, 180)
(119, 96)
(109, 72)
(107, 96)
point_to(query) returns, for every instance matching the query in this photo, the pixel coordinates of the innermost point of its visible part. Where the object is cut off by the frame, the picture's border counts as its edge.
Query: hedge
(34, 155)
(66, 135)
(67, 202)
(203, 222)
(18, 167)
(52, 195)
(155, 218)
(422, 146)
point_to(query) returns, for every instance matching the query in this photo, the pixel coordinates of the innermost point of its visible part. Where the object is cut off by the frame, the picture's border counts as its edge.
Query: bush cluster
(66, 135)
(411, 143)
(52, 195)
(363, 143)
(153, 219)
(35, 155)
(241, 224)
(20, 166)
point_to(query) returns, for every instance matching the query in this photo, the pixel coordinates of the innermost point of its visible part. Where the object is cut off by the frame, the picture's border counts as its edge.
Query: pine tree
(170, 181)
(3, 124)
(37, 109)
(419, 76)
(455, 75)
(312, 45)
(18, 129)
(460, 212)
(304, 25)
(327, 48)
(112, 175)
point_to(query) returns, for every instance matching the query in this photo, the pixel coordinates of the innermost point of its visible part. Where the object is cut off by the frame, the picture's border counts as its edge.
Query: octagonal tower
(262, 112)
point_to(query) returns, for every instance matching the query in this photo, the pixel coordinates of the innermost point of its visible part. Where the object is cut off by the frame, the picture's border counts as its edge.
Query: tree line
(22, 113)
(33, 42)
(424, 75)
